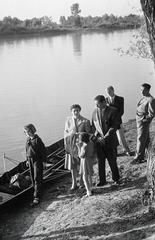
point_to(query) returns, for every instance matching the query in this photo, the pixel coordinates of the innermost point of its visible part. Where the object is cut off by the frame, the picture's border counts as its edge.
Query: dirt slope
(112, 213)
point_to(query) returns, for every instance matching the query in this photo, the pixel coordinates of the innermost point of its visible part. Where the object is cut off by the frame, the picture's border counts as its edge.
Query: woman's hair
(85, 137)
(30, 128)
(75, 106)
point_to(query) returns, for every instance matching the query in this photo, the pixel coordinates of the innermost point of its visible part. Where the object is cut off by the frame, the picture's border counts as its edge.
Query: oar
(4, 162)
(57, 172)
(58, 151)
(53, 171)
(53, 166)
(49, 169)
(11, 159)
(55, 176)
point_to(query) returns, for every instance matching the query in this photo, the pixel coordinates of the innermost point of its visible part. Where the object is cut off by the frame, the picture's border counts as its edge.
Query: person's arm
(88, 128)
(113, 128)
(121, 108)
(94, 132)
(151, 111)
(66, 131)
(43, 152)
(82, 151)
(93, 128)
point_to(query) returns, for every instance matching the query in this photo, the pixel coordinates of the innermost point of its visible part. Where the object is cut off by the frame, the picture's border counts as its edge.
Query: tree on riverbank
(139, 45)
(144, 45)
(148, 7)
(75, 11)
(105, 21)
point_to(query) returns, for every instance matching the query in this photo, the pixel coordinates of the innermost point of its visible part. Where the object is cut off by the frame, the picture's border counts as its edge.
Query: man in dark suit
(104, 123)
(118, 102)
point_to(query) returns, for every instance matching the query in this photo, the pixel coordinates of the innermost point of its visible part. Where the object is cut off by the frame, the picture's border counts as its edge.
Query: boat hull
(53, 169)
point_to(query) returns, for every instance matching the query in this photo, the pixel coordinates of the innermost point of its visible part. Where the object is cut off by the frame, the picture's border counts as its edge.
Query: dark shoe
(99, 184)
(136, 161)
(35, 202)
(126, 153)
(132, 154)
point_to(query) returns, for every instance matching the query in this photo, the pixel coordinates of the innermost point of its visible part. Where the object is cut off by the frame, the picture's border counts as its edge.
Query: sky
(28, 9)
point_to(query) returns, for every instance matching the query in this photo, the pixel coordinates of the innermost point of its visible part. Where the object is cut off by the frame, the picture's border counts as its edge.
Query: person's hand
(78, 144)
(144, 120)
(101, 140)
(23, 153)
(93, 137)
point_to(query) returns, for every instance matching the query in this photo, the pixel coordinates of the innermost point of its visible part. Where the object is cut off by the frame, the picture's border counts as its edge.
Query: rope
(11, 160)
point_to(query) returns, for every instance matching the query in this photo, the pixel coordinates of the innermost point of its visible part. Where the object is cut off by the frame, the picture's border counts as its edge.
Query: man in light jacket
(144, 115)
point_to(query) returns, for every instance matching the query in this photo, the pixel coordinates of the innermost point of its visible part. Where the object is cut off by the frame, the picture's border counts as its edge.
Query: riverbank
(24, 32)
(112, 213)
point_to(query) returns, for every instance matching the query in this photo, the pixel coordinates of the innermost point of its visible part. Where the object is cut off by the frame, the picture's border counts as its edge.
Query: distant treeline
(106, 21)
(15, 26)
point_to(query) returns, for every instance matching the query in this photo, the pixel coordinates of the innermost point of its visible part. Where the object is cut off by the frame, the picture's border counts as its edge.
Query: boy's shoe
(35, 202)
(74, 188)
(89, 193)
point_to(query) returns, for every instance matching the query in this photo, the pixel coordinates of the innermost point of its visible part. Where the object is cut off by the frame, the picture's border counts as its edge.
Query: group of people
(104, 135)
(82, 138)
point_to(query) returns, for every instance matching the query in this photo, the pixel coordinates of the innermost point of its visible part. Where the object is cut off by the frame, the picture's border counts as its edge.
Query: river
(41, 77)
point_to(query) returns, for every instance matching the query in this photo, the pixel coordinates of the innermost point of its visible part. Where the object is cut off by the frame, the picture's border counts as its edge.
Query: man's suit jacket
(118, 103)
(82, 125)
(109, 121)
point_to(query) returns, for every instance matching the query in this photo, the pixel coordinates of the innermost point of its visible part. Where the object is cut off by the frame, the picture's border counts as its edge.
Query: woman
(73, 125)
(35, 153)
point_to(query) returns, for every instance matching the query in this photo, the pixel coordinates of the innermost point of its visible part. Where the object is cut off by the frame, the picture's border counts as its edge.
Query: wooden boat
(53, 169)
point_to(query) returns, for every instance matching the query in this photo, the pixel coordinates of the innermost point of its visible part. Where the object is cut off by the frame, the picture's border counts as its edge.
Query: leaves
(139, 46)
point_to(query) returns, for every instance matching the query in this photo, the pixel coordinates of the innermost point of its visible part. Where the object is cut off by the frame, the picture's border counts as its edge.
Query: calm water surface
(41, 77)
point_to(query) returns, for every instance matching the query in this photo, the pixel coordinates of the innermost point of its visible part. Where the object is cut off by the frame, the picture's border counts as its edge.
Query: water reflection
(77, 43)
(14, 41)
